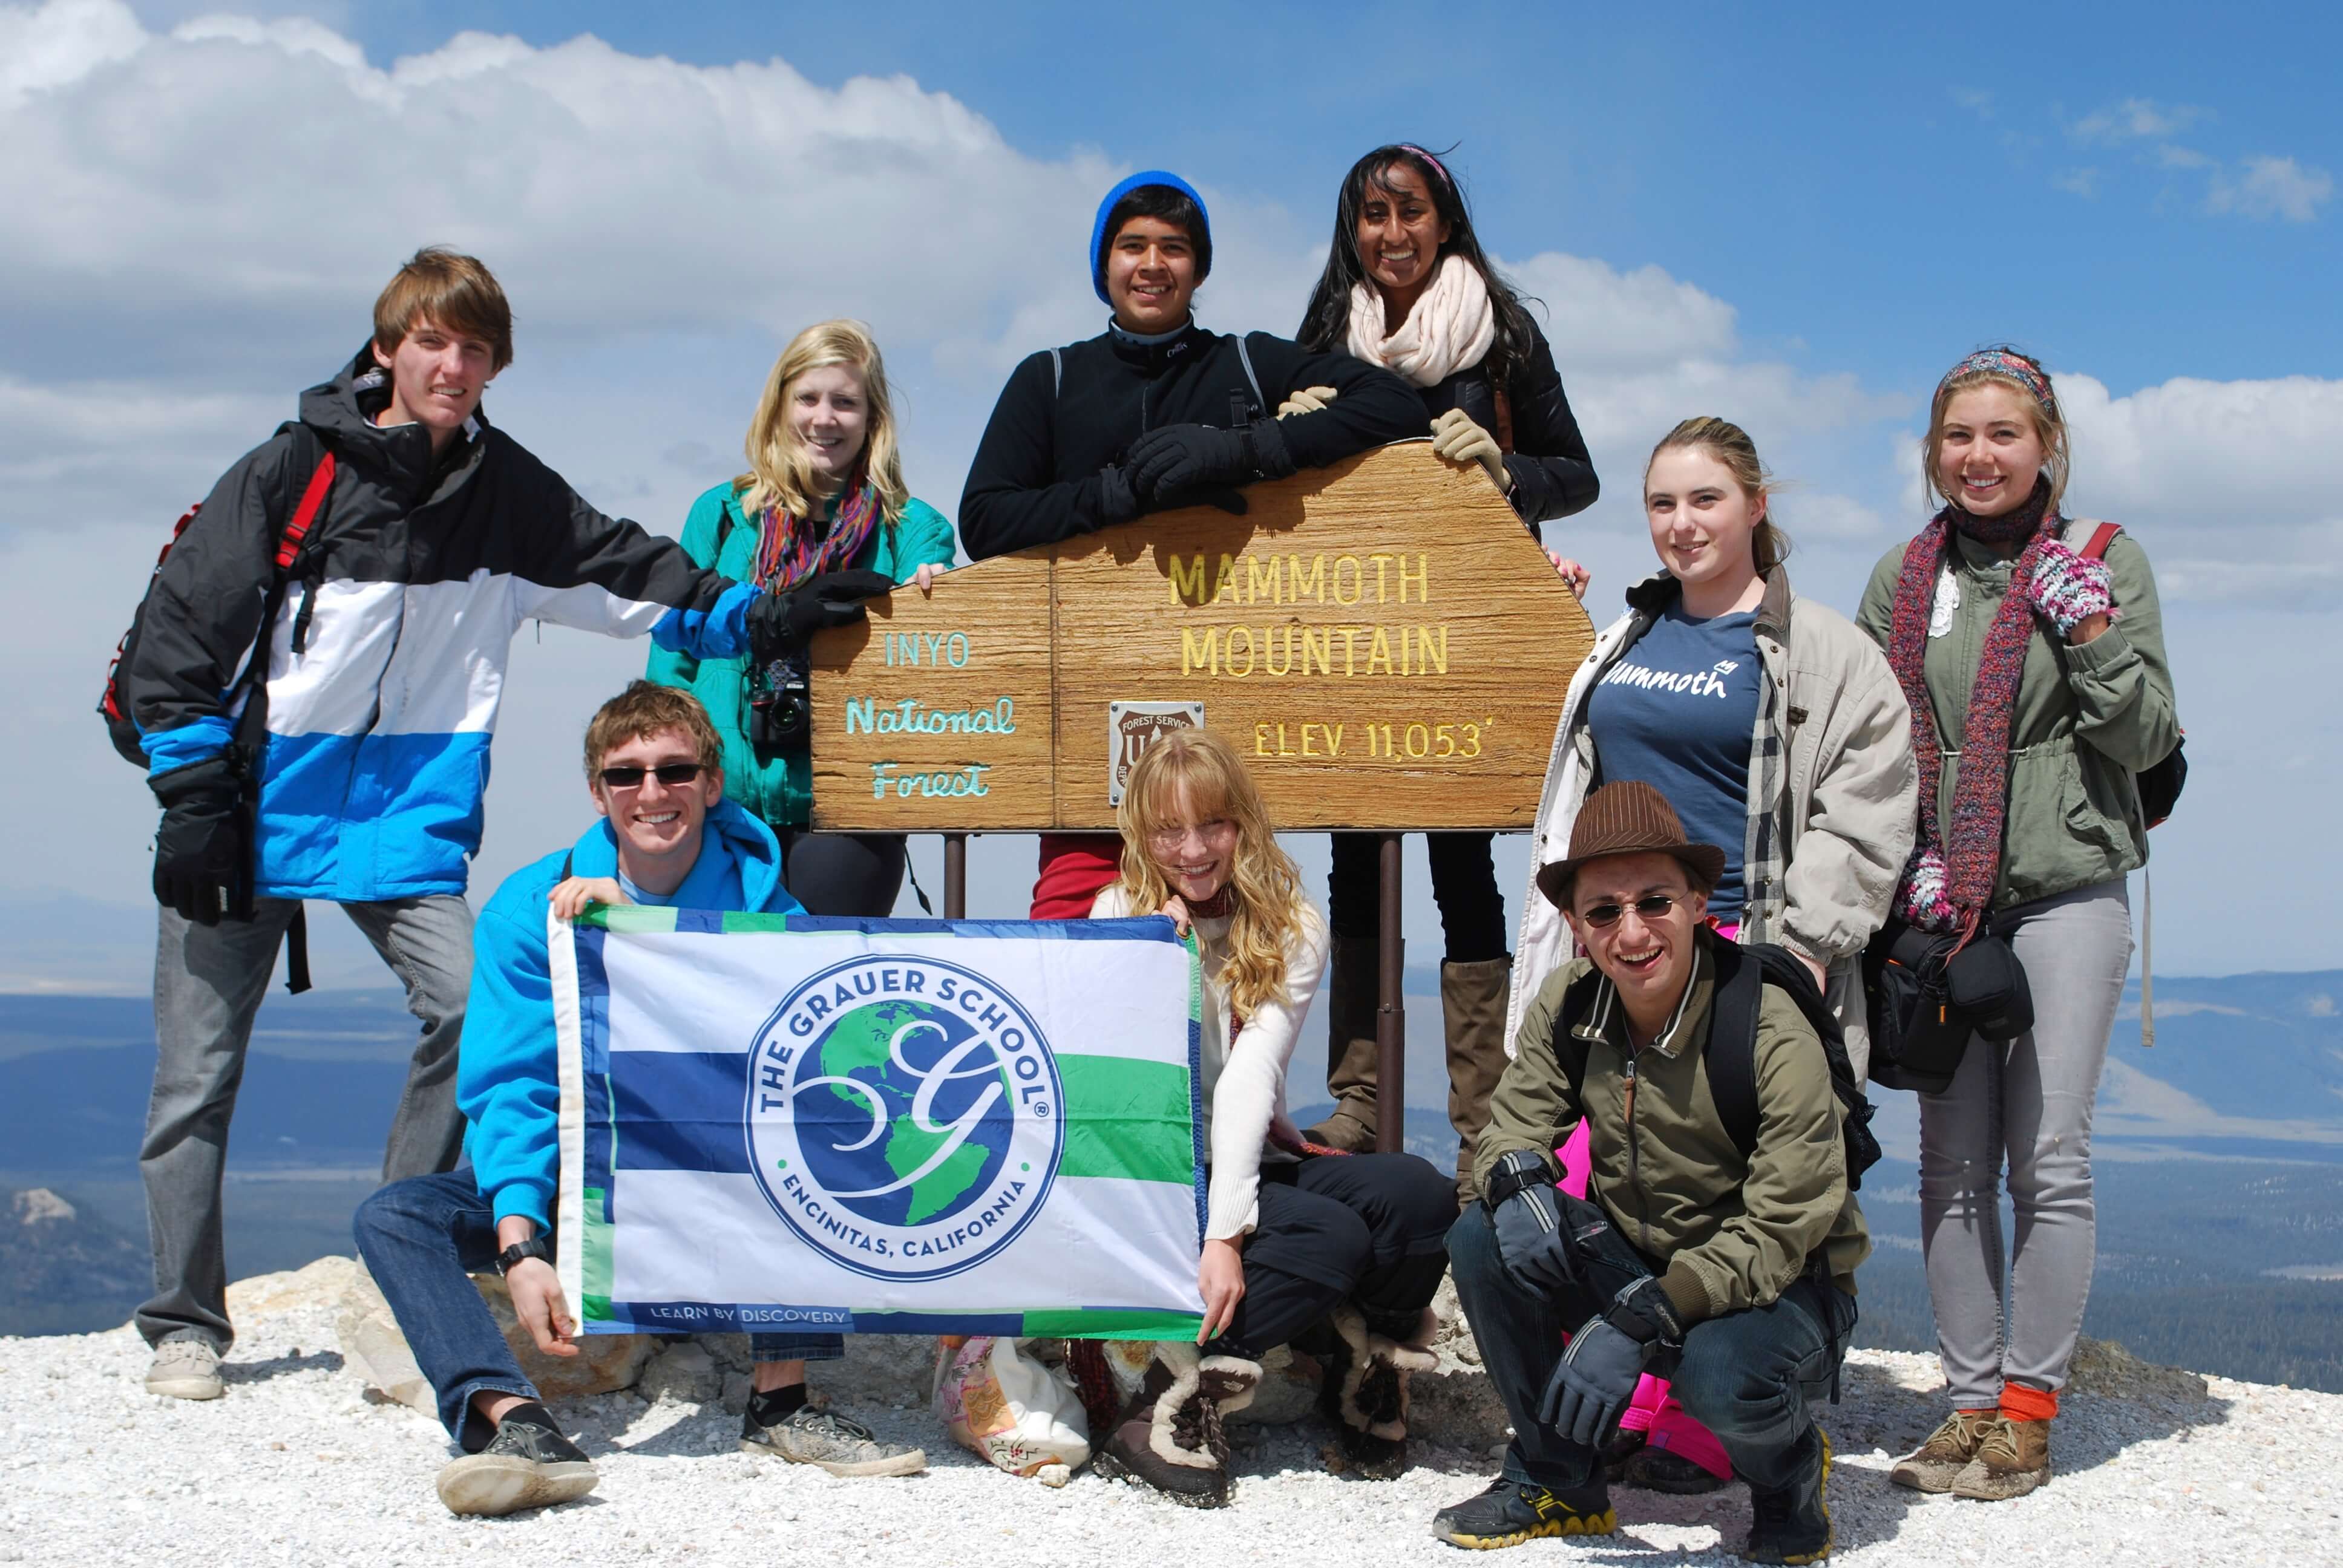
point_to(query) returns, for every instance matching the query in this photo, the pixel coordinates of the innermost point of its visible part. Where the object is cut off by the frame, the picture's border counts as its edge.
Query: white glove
(1457, 437)
(1308, 400)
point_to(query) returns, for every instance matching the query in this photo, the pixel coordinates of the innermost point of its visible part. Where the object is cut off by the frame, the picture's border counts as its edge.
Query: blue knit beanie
(1099, 236)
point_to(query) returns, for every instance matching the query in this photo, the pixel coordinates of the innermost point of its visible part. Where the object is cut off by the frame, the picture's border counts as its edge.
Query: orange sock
(2019, 1403)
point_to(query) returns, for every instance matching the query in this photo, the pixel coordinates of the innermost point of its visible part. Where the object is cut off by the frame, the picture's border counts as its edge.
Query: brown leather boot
(1351, 971)
(2012, 1460)
(1168, 1434)
(1473, 1007)
(1934, 1466)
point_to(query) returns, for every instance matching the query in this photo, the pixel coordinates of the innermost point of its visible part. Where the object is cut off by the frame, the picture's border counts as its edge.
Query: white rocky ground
(303, 1463)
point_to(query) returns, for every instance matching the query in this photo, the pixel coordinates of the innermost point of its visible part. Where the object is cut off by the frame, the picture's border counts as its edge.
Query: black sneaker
(1511, 1512)
(1658, 1470)
(1793, 1525)
(524, 1466)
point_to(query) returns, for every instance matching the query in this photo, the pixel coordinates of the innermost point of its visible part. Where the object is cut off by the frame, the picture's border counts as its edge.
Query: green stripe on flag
(1126, 1118)
(737, 922)
(628, 917)
(1101, 1324)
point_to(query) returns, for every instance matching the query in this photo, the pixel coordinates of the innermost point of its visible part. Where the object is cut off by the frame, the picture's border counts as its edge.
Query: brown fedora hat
(1629, 817)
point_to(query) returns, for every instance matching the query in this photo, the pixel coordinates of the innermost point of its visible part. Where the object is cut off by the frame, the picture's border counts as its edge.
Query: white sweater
(1243, 1094)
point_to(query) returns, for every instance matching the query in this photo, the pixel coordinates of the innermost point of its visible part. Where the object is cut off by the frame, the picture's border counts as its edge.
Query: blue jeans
(422, 1238)
(1751, 1377)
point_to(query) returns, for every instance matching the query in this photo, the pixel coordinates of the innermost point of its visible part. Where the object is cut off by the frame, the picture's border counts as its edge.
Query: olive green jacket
(2088, 719)
(1728, 1232)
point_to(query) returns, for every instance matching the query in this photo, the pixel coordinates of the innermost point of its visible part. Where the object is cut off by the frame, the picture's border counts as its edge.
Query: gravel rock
(296, 1465)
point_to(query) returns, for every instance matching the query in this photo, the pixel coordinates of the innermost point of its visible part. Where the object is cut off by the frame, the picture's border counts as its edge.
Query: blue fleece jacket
(508, 1077)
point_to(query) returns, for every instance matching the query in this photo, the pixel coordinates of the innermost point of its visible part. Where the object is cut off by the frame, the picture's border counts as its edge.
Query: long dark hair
(1326, 322)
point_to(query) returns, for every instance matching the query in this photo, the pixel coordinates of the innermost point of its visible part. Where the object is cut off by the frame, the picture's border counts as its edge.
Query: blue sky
(1794, 218)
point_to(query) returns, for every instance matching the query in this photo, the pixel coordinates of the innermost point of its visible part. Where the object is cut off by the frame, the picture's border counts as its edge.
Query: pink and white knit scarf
(1450, 328)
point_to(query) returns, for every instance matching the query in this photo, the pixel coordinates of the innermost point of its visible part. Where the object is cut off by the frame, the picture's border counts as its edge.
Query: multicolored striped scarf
(788, 552)
(1970, 853)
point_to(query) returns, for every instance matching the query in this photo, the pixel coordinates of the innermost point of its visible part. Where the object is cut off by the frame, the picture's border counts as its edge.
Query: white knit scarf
(1449, 329)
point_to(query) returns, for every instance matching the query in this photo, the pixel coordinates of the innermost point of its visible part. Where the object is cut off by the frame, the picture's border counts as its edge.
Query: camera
(780, 701)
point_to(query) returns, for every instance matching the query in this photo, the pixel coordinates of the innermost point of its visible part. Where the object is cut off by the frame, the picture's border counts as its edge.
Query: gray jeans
(2029, 1101)
(209, 984)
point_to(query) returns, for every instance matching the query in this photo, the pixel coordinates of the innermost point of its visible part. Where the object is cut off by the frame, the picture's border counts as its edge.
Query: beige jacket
(1834, 796)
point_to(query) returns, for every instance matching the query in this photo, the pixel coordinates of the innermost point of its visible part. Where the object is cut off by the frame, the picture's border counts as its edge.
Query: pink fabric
(1651, 1412)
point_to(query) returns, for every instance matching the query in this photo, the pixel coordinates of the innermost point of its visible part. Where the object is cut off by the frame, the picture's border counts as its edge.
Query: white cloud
(2137, 119)
(2273, 188)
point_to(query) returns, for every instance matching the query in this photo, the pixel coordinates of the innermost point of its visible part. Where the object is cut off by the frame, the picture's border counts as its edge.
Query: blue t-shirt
(1676, 711)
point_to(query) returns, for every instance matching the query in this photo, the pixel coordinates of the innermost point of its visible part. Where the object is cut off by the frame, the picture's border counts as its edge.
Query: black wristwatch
(537, 1246)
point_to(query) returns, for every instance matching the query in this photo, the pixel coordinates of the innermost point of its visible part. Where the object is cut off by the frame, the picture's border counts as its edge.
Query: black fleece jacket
(1035, 479)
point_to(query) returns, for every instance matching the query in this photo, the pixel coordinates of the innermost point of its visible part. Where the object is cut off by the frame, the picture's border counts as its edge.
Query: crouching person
(1716, 1251)
(1292, 1237)
(667, 836)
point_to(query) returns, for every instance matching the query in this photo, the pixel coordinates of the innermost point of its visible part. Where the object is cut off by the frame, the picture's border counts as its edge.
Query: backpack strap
(1569, 1050)
(2102, 536)
(1732, 1048)
(1244, 357)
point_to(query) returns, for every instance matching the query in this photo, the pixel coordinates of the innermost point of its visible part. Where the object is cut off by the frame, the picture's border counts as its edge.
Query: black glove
(1596, 1376)
(783, 622)
(1191, 461)
(203, 850)
(1532, 1243)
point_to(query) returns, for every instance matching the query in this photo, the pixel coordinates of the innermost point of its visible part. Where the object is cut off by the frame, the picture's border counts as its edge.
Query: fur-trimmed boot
(1365, 1394)
(1168, 1434)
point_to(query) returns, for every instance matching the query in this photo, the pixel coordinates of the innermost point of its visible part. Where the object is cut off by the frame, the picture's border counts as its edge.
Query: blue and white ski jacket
(420, 570)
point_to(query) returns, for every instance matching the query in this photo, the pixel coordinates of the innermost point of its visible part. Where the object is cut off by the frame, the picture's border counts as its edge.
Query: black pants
(1370, 1228)
(1464, 884)
(853, 875)
(1751, 1377)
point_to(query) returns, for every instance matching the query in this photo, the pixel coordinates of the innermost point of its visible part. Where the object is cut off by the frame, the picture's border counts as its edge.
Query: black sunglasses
(669, 774)
(1651, 907)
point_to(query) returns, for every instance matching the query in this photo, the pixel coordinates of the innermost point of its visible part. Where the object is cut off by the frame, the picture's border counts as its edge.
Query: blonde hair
(779, 474)
(2041, 402)
(1769, 547)
(1267, 902)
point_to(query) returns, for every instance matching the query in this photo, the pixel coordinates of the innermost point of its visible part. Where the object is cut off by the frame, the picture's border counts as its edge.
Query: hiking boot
(1660, 1470)
(2012, 1459)
(1472, 999)
(1793, 1525)
(1168, 1434)
(525, 1465)
(1511, 1512)
(828, 1441)
(1932, 1466)
(1352, 967)
(185, 1368)
(1363, 1394)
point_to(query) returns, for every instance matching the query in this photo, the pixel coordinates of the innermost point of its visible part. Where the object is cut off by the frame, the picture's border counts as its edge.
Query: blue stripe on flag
(1143, 928)
(680, 1111)
(704, 922)
(594, 1062)
(1009, 1324)
(725, 1318)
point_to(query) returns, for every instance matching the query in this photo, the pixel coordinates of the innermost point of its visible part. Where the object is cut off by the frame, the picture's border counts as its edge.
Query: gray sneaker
(524, 1466)
(184, 1369)
(832, 1441)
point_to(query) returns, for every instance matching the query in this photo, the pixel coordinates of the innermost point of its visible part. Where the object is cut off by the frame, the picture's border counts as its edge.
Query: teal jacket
(780, 791)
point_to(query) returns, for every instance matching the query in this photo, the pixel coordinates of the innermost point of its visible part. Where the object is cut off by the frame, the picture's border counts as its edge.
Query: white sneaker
(184, 1369)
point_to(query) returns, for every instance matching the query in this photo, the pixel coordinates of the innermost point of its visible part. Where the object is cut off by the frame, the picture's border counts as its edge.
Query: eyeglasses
(1650, 907)
(669, 774)
(1167, 839)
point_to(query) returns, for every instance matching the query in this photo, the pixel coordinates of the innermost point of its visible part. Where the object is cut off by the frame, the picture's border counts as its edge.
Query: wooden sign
(1382, 640)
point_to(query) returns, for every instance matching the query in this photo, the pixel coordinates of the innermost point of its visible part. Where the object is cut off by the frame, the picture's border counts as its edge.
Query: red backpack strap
(289, 549)
(2102, 536)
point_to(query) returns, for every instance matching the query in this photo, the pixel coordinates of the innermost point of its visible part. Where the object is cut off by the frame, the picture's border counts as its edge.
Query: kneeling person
(668, 836)
(1731, 1271)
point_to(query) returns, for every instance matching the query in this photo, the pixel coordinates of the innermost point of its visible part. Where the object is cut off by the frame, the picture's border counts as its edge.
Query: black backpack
(1731, 1049)
(114, 703)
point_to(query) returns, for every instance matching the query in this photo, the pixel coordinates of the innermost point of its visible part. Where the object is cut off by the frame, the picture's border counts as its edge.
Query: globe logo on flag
(904, 1115)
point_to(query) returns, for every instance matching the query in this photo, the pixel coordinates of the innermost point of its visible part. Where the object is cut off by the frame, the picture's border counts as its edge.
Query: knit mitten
(2067, 589)
(1920, 896)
